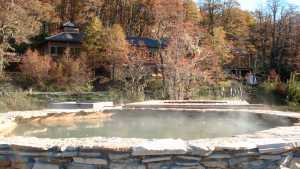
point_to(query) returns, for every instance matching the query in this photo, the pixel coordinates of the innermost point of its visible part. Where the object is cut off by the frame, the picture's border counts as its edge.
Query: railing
(222, 92)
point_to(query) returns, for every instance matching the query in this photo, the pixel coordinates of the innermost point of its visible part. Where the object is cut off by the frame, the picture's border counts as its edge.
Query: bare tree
(135, 74)
(186, 63)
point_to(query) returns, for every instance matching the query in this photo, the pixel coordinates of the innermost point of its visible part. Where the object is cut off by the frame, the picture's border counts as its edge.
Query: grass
(292, 108)
(17, 101)
(68, 97)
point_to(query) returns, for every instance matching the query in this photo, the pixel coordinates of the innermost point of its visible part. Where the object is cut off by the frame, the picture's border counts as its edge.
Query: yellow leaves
(93, 37)
(117, 45)
(239, 22)
(221, 46)
(191, 10)
(105, 45)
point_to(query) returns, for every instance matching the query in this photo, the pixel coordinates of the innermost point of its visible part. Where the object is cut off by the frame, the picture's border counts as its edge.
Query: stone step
(254, 106)
(80, 105)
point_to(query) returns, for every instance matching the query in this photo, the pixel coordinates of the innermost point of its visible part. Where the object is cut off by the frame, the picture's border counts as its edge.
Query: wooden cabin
(69, 39)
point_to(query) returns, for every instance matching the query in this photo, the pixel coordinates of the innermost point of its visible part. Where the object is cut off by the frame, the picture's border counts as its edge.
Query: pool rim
(281, 138)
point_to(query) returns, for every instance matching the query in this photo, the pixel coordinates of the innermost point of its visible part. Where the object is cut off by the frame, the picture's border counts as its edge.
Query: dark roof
(150, 43)
(66, 37)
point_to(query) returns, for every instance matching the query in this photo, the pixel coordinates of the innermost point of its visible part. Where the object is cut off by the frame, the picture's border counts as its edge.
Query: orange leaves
(36, 67)
(66, 74)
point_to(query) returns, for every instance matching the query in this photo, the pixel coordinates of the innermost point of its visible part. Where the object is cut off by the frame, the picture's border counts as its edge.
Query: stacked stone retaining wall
(15, 157)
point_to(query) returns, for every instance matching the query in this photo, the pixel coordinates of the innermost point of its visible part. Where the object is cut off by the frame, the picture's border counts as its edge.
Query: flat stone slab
(92, 161)
(45, 166)
(81, 105)
(160, 147)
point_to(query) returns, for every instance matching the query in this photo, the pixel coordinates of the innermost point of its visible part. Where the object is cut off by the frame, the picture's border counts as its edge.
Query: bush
(66, 74)
(294, 91)
(155, 89)
(272, 92)
(70, 74)
(35, 70)
(19, 100)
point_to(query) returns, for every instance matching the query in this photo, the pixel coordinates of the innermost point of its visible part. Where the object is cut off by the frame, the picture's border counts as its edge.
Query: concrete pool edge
(271, 146)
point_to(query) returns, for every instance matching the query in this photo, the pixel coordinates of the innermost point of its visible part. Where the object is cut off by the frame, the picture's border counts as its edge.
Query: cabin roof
(148, 42)
(71, 37)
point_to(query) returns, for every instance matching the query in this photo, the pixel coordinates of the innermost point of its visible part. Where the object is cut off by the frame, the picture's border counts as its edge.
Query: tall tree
(212, 9)
(117, 48)
(192, 12)
(20, 19)
(93, 43)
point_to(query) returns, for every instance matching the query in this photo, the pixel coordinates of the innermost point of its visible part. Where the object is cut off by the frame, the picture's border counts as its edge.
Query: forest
(200, 46)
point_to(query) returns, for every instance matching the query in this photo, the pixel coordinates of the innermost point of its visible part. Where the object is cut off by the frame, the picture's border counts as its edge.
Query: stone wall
(14, 157)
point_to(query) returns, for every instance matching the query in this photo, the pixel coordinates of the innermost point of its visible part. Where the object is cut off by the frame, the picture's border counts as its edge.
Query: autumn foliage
(36, 69)
(67, 74)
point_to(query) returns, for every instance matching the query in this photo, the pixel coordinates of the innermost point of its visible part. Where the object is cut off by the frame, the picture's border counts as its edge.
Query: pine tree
(93, 43)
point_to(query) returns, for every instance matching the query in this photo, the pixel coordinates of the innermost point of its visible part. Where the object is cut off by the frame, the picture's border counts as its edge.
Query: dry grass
(14, 101)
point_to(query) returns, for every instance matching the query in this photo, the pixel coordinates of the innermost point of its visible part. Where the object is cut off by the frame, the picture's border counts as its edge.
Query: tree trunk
(163, 74)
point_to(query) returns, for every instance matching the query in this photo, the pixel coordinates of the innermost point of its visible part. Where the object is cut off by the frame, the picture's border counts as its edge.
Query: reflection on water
(157, 124)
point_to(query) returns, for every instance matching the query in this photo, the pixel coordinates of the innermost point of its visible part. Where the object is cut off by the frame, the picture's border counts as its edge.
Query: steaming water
(158, 124)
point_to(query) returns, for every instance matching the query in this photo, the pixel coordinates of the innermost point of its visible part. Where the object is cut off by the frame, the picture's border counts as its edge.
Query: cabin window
(75, 51)
(56, 50)
(53, 51)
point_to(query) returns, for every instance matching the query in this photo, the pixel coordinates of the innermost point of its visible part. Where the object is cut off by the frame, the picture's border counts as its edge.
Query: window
(60, 50)
(75, 51)
(56, 51)
(53, 51)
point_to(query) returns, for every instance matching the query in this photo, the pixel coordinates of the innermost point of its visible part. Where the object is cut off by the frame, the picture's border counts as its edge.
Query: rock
(297, 154)
(275, 148)
(253, 164)
(158, 166)
(219, 156)
(6, 152)
(270, 157)
(94, 161)
(118, 156)
(246, 153)
(22, 165)
(188, 158)
(81, 166)
(55, 160)
(295, 163)
(160, 147)
(65, 154)
(45, 166)
(215, 164)
(187, 163)
(285, 162)
(31, 154)
(4, 146)
(200, 148)
(130, 164)
(4, 163)
(189, 167)
(156, 159)
(89, 154)
(235, 161)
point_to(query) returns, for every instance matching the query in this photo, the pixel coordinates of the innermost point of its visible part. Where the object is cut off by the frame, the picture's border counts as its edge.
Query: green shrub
(155, 89)
(294, 91)
(115, 94)
(271, 92)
